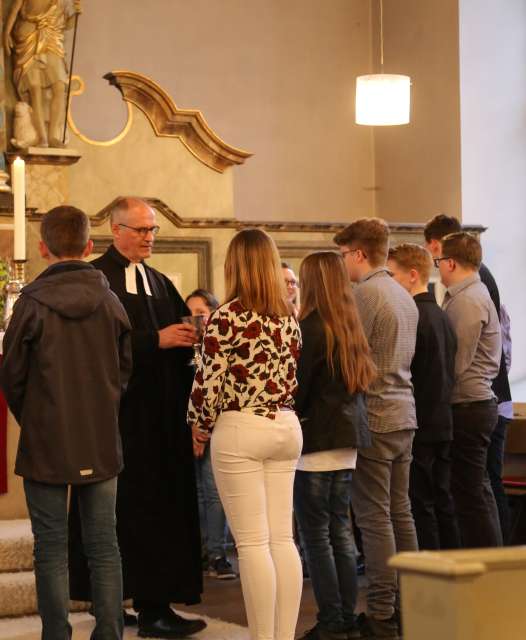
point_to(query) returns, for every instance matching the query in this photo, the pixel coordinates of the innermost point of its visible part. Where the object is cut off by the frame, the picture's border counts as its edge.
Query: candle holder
(13, 289)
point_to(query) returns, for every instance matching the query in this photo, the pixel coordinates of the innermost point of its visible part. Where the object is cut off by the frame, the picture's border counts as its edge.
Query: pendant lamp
(382, 99)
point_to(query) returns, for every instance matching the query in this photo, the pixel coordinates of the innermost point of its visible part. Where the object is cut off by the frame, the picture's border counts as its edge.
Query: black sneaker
(221, 569)
(318, 633)
(376, 629)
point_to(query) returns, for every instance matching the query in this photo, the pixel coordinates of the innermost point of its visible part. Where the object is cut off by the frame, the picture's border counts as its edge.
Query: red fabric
(3, 444)
(514, 481)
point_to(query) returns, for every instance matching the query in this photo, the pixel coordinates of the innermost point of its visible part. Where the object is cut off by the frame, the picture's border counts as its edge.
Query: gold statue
(34, 34)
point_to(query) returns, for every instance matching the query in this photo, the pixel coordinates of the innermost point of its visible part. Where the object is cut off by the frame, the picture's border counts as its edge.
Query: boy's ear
(88, 249)
(43, 250)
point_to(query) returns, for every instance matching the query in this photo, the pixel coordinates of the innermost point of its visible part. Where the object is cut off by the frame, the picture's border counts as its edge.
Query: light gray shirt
(389, 316)
(475, 321)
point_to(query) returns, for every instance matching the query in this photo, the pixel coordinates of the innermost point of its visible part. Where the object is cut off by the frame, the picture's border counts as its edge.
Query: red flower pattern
(240, 372)
(271, 387)
(212, 345)
(294, 348)
(197, 397)
(260, 354)
(243, 351)
(252, 331)
(261, 357)
(223, 326)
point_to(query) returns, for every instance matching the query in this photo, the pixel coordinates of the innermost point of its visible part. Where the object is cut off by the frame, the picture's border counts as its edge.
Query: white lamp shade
(383, 99)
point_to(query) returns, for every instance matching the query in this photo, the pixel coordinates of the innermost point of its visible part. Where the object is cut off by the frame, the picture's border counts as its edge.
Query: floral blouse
(248, 364)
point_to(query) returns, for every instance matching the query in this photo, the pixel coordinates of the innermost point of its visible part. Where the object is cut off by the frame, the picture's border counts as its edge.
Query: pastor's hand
(177, 335)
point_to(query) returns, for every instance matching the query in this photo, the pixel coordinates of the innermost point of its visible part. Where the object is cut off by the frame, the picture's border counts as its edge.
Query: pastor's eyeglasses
(142, 231)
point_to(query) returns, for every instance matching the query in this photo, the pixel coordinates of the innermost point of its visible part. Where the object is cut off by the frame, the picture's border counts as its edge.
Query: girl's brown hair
(326, 288)
(253, 274)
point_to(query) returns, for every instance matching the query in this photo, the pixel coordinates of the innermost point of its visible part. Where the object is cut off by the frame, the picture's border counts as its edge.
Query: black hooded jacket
(67, 360)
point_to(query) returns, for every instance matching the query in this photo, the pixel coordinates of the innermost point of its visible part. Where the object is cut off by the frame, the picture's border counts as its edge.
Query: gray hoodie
(67, 360)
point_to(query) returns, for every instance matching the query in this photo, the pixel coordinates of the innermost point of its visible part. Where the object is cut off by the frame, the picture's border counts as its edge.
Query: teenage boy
(438, 227)
(67, 360)
(433, 372)
(380, 484)
(474, 319)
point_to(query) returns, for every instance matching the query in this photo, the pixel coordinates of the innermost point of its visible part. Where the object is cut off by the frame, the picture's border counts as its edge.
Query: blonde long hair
(326, 288)
(253, 274)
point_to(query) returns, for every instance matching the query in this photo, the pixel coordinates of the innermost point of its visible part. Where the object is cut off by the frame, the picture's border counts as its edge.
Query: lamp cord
(382, 36)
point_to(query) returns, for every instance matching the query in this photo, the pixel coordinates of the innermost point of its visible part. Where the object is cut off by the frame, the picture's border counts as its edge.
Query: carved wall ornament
(77, 89)
(167, 120)
(410, 228)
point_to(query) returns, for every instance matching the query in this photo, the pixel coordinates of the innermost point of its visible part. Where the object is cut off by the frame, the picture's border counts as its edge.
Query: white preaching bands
(131, 280)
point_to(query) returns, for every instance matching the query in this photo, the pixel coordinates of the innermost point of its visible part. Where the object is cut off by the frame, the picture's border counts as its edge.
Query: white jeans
(254, 461)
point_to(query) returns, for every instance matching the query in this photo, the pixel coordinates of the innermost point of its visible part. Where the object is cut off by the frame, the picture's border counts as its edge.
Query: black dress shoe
(169, 626)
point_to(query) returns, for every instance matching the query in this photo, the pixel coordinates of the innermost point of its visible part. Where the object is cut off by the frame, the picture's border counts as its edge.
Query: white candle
(18, 181)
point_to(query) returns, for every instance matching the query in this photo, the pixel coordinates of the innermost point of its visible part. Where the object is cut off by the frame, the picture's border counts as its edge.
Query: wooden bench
(514, 473)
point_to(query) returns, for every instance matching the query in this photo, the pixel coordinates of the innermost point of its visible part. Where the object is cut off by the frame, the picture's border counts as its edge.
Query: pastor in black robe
(157, 514)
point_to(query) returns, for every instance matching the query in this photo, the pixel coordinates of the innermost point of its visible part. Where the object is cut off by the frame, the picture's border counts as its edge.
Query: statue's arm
(13, 13)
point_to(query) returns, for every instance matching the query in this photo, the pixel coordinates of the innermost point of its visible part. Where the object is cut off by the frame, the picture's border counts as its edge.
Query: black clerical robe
(157, 514)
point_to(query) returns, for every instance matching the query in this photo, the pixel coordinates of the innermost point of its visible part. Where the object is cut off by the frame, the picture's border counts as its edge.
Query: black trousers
(431, 500)
(478, 518)
(495, 462)
(151, 608)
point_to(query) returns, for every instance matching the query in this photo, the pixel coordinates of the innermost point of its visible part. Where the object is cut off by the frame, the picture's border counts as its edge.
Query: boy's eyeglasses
(437, 261)
(349, 251)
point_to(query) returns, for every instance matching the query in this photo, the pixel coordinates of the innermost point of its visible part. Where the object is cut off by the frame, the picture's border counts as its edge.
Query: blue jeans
(211, 515)
(47, 506)
(322, 507)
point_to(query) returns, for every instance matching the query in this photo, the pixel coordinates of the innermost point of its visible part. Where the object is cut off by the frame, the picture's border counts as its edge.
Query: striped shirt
(390, 317)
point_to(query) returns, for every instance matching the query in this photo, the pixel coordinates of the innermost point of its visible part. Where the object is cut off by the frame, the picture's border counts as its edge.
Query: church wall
(418, 165)
(493, 101)
(275, 78)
